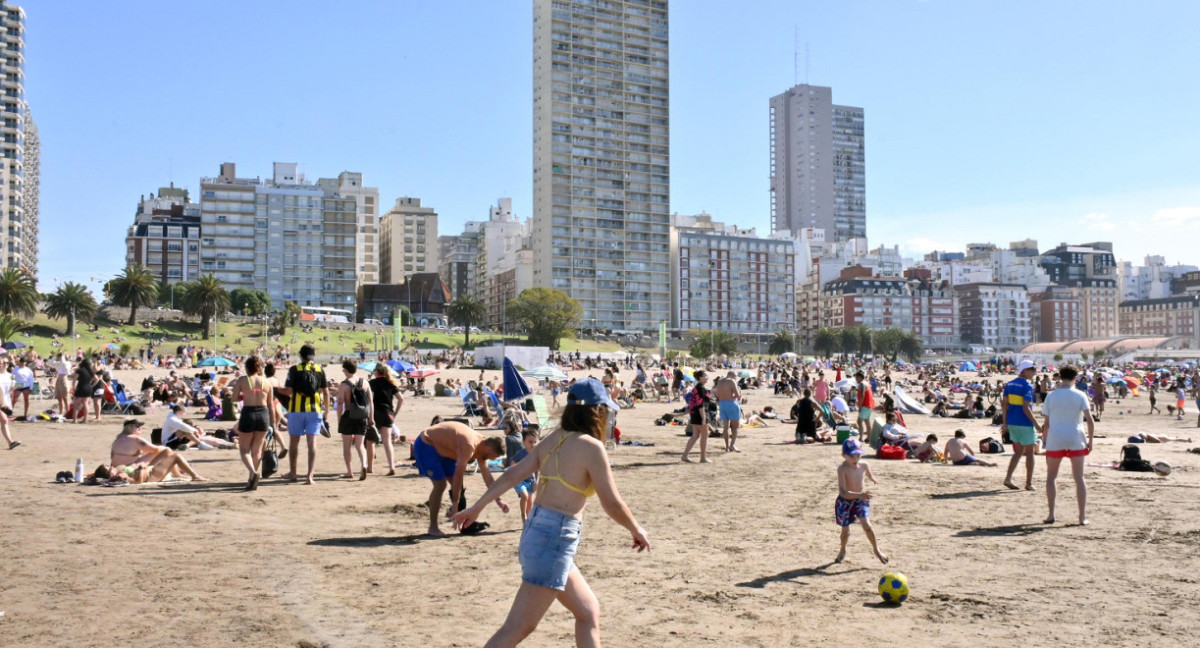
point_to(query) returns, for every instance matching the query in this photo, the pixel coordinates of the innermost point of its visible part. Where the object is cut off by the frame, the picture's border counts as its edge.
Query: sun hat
(852, 447)
(589, 391)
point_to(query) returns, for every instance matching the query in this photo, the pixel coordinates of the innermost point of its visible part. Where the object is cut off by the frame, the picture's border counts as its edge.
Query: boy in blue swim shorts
(729, 406)
(853, 501)
(529, 439)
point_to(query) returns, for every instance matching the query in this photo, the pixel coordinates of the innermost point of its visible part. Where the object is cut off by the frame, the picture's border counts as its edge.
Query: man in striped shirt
(307, 395)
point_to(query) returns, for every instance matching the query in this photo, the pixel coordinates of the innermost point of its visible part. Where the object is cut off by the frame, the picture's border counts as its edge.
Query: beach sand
(742, 549)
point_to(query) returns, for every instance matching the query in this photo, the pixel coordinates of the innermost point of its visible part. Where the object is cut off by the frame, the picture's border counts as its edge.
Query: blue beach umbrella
(401, 366)
(216, 361)
(514, 385)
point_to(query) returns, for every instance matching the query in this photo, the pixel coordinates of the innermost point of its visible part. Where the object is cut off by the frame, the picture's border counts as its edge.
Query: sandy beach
(742, 549)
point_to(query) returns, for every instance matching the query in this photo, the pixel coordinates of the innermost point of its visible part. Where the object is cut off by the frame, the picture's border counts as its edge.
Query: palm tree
(848, 341)
(713, 342)
(826, 342)
(781, 342)
(911, 346)
(466, 311)
(71, 301)
(10, 326)
(207, 298)
(18, 294)
(135, 287)
(866, 340)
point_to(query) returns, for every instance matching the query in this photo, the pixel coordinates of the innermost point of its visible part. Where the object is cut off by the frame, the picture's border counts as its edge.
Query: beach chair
(124, 403)
(468, 400)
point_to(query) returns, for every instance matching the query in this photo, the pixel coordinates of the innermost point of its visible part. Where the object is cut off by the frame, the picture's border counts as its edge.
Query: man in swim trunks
(1018, 423)
(442, 452)
(729, 398)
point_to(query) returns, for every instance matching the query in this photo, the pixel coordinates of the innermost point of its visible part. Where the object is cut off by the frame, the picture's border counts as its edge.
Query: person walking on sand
(308, 406)
(258, 417)
(729, 399)
(442, 452)
(573, 466)
(387, 403)
(854, 501)
(62, 395)
(697, 404)
(355, 413)
(1064, 415)
(866, 406)
(1018, 423)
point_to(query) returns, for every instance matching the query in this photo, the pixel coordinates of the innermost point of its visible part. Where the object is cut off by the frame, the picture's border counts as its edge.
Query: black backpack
(304, 380)
(356, 405)
(1131, 459)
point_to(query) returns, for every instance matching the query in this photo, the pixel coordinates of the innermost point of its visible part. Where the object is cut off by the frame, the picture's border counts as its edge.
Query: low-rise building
(994, 315)
(425, 295)
(1056, 315)
(165, 236)
(857, 298)
(1166, 316)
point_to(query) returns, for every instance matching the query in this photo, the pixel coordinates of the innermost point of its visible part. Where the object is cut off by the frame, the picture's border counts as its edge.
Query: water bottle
(79, 471)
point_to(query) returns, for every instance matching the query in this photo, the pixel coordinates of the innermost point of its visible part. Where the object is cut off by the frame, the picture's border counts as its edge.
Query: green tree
(135, 287)
(911, 346)
(466, 311)
(171, 294)
(847, 340)
(713, 342)
(1058, 357)
(71, 301)
(1099, 354)
(249, 302)
(887, 342)
(289, 316)
(827, 341)
(18, 294)
(866, 339)
(781, 342)
(546, 315)
(10, 326)
(208, 299)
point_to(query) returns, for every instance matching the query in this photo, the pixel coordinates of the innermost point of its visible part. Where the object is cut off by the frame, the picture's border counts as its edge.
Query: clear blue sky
(986, 120)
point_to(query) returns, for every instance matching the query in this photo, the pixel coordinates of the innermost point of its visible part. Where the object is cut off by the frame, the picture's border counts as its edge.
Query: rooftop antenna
(805, 62)
(795, 54)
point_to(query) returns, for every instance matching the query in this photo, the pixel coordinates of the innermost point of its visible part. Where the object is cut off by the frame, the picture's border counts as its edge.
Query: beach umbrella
(689, 378)
(423, 373)
(370, 365)
(514, 385)
(547, 372)
(843, 385)
(1116, 381)
(12, 344)
(968, 366)
(112, 346)
(216, 361)
(788, 354)
(1132, 381)
(745, 374)
(401, 366)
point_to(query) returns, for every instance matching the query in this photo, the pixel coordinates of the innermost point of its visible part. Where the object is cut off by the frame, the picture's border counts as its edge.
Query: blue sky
(986, 120)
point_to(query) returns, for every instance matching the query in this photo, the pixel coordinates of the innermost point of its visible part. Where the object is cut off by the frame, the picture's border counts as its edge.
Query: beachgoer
(1018, 423)
(525, 489)
(854, 501)
(23, 379)
(728, 398)
(307, 395)
(573, 467)
(387, 403)
(1064, 415)
(352, 428)
(866, 406)
(697, 404)
(62, 394)
(85, 384)
(959, 453)
(442, 453)
(141, 461)
(929, 451)
(175, 426)
(259, 417)
(808, 418)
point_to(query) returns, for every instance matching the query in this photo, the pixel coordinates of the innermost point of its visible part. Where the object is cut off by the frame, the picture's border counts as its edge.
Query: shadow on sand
(1007, 530)
(388, 541)
(966, 494)
(792, 575)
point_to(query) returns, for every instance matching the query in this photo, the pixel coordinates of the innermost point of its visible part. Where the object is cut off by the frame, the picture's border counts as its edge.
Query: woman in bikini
(140, 461)
(573, 466)
(258, 418)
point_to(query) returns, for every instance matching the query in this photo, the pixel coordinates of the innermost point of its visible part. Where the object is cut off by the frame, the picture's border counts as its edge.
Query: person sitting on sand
(898, 435)
(960, 454)
(147, 461)
(176, 428)
(929, 451)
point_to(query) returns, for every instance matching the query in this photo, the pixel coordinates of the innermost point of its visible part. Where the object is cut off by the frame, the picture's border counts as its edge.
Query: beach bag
(1131, 460)
(372, 435)
(270, 457)
(356, 405)
(887, 451)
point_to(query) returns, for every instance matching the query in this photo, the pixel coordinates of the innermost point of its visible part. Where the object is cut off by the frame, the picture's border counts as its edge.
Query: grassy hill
(242, 338)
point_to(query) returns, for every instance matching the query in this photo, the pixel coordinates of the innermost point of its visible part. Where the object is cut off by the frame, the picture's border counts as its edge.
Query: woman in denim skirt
(573, 466)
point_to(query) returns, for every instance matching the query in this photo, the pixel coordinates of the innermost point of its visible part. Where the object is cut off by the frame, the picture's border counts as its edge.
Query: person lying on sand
(960, 454)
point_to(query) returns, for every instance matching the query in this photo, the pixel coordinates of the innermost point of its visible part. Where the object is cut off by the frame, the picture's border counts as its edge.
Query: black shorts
(384, 418)
(254, 419)
(351, 426)
(696, 418)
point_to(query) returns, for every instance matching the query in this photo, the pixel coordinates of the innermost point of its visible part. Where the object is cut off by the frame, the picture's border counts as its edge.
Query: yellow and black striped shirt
(303, 402)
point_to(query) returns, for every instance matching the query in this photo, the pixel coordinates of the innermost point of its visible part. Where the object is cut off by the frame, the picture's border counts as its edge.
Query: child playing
(960, 454)
(929, 451)
(529, 439)
(853, 502)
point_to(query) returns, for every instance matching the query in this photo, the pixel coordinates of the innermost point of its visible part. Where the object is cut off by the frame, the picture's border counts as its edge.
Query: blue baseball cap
(852, 447)
(589, 391)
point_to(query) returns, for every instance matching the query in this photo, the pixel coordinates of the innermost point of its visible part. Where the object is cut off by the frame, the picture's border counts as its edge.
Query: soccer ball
(1162, 469)
(893, 587)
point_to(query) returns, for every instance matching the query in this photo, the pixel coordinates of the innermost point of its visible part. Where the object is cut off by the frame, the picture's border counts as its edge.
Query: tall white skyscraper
(19, 148)
(818, 164)
(601, 168)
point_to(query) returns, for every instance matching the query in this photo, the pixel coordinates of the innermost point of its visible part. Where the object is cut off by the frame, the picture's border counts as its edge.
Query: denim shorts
(548, 546)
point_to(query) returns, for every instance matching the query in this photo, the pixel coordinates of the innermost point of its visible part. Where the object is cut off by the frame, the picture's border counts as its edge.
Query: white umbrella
(546, 372)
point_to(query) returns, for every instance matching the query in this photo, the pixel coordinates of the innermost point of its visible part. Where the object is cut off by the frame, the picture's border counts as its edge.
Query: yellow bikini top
(586, 492)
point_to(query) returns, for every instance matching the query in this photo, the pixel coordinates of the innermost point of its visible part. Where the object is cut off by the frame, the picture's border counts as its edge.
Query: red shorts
(1064, 454)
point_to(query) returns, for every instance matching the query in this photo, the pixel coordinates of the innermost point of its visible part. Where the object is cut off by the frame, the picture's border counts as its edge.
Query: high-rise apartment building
(165, 236)
(408, 240)
(818, 164)
(502, 237)
(349, 184)
(286, 236)
(18, 199)
(457, 258)
(33, 181)
(601, 167)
